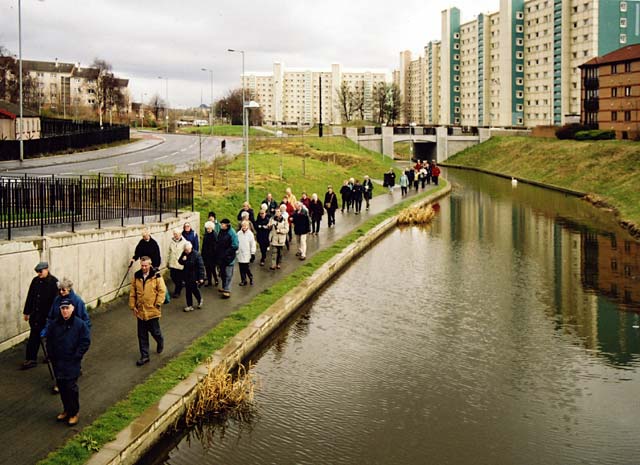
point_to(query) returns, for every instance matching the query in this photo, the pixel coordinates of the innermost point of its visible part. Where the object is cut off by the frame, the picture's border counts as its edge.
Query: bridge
(434, 143)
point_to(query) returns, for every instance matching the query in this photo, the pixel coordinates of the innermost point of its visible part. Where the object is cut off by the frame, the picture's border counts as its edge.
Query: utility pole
(20, 78)
(320, 105)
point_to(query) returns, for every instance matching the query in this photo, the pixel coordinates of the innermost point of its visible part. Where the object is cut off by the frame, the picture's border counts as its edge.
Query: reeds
(416, 215)
(220, 394)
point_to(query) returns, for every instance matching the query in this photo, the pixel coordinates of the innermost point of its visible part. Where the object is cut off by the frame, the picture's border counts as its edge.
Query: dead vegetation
(416, 215)
(222, 395)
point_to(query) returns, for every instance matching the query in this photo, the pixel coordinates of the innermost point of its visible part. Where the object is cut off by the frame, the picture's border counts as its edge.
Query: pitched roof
(628, 53)
(12, 110)
(47, 66)
(87, 73)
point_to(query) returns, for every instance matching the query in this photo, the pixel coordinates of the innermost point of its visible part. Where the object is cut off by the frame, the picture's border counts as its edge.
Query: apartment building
(296, 96)
(65, 87)
(611, 92)
(518, 66)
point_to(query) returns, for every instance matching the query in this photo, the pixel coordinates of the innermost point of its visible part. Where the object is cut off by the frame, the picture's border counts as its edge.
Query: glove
(253, 258)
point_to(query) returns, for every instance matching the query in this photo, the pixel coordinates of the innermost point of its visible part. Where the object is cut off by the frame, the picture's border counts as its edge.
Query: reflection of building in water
(612, 267)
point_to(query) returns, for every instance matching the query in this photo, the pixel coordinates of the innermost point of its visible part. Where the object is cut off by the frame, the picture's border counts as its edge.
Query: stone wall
(95, 260)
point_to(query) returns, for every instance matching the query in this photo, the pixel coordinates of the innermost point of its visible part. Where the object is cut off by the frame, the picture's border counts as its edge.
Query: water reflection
(491, 337)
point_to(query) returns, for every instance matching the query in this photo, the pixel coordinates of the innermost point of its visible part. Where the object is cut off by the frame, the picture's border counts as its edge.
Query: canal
(504, 333)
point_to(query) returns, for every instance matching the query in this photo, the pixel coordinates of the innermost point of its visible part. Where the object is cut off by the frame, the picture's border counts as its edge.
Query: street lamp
(245, 113)
(210, 109)
(245, 129)
(20, 77)
(166, 105)
(412, 130)
(142, 94)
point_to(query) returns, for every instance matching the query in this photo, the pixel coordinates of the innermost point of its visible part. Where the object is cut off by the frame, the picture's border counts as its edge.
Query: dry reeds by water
(221, 394)
(416, 215)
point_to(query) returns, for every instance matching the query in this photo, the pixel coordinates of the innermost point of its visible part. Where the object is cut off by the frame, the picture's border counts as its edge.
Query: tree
(9, 82)
(344, 102)
(358, 101)
(108, 89)
(230, 106)
(394, 103)
(156, 103)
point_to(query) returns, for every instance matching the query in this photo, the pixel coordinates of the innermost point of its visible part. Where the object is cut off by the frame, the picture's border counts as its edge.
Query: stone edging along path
(137, 438)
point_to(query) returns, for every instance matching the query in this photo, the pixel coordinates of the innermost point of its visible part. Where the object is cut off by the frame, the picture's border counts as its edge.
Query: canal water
(501, 334)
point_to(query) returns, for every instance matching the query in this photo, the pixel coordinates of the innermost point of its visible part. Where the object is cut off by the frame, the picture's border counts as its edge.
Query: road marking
(137, 163)
(162, 157)
(104, 168)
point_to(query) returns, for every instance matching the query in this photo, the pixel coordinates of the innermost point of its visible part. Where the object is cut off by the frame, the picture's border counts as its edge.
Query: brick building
(611, 92)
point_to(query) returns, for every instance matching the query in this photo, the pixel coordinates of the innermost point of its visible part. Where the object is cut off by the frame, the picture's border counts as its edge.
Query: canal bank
(133, 441)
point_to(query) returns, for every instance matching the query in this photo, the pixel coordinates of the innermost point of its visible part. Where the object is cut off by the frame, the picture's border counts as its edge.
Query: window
(614, 69)
(623, 6)
(627, 115)
(519, 55)
(623, 38)
(614, 116)
(519, 28)
(627, 91)
(519, 14)
(627, 67)
(614, 91)
(623, 22)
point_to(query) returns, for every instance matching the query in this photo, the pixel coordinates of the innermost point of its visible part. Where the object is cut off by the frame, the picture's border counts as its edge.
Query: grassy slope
(226, 131)
(608, 169)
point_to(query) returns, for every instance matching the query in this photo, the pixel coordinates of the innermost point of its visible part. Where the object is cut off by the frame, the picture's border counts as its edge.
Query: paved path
(28, 428)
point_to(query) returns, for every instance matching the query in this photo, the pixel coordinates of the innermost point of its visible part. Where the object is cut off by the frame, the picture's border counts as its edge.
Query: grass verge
(610, 170)
(104, 429)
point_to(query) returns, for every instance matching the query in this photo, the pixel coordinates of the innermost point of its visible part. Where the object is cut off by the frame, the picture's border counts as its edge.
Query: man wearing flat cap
(68, 339)
(42, 291)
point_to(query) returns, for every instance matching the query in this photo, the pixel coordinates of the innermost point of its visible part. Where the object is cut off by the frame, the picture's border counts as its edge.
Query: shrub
(595, 134)
(568, 131)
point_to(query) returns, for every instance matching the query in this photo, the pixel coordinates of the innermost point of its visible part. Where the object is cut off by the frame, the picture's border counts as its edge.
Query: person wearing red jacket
(435, 173)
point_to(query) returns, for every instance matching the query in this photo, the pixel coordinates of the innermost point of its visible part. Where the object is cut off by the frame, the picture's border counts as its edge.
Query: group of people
(353, 192)
(422, 174)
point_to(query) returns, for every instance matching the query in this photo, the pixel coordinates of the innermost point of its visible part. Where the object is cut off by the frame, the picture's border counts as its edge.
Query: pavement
(28, 408)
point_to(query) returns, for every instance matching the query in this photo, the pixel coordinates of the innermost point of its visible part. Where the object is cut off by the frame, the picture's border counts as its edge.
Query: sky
(147, 39)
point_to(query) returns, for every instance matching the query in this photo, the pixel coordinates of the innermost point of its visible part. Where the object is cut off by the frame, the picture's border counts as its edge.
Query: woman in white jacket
(246, 253)
(176, 247)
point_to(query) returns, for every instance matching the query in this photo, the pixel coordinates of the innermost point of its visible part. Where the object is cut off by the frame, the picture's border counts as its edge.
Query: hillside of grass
(308, 165)
(225, 130)
(609, 170)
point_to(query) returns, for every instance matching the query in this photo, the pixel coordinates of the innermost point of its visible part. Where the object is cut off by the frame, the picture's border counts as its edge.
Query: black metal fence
(30, 201)
(62, 135)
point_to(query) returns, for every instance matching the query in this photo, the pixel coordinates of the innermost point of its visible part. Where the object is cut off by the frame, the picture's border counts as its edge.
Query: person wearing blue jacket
(65, 291)
(190, 235)
(67, 342)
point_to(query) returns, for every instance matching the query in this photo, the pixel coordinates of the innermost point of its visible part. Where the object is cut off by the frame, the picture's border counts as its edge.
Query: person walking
(391, 182)
(291, 198)
(147, 247)
(301, 229)
(216, 224)
(209, 240)
(278, 230)
(146, 297)
(246, 253)
(316, 210)
(304, 200)
(345, 195)
(416, 179)
(176, 247)
(404, 183)
(367, 188)
(423, 176)
(190, 235)
(68, 340)
(262, 233)
(42, 290)
(435, 173)
(193, 274)
(331, 205)
(288, 209)
(246, 208)
(272, 205)
(356, 196)
(226, 249)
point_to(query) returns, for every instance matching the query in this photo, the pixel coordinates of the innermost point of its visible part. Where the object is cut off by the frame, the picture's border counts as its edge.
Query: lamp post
(20, 77)
(245, 110)
(142, 94)
(245, 130)
(166, 105)
(211, 108)
(412, 129)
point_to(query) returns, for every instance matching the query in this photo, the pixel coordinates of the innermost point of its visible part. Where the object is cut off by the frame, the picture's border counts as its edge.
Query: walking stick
(46, 356)
(123, 278)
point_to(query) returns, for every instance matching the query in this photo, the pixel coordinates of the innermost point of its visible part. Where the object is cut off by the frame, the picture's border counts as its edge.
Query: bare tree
(345, 101)
(230, 106)
(156, 103)
(108, 89)
(10, 84)
(358, 101)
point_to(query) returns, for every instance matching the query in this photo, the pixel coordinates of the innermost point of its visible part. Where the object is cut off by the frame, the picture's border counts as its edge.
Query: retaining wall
(95, 260)
(136, 439)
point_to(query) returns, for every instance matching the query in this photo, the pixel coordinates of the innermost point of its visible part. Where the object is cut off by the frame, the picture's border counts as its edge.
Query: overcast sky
(144, 39)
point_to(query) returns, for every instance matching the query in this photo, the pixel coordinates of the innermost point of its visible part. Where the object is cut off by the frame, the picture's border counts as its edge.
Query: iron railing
(29, 201)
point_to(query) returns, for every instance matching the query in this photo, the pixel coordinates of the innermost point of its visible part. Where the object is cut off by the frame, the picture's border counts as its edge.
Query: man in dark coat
(209, 240)
(345, 193)
(147, 247)
(42, 291)
(331, 205)
(193, 275)
(367, 187)
(68, 340)
(226, 249)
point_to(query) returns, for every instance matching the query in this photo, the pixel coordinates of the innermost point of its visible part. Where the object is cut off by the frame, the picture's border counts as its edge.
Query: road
(140, 157)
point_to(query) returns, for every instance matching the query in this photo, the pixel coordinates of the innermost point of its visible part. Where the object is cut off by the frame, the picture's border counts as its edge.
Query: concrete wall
(95, 260)
(371, 142)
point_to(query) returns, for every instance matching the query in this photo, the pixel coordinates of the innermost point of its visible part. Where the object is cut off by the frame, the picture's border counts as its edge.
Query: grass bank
(307, 165)
(608, 170)
(327, 161)
(224, 130)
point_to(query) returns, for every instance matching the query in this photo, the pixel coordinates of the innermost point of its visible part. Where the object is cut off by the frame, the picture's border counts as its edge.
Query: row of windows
(618, 67)
(627, 91)
(627, 115)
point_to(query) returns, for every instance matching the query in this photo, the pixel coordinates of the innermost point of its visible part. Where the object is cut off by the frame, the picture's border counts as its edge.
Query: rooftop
(628, 53)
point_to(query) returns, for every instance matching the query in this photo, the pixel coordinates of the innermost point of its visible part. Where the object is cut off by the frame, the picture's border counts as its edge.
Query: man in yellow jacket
(146, 297)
